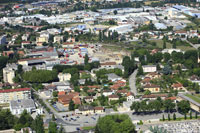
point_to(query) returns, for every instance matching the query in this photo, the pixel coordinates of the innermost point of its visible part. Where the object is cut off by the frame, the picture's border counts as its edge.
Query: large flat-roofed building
(149, 68)
(14, 94)
(18, 106)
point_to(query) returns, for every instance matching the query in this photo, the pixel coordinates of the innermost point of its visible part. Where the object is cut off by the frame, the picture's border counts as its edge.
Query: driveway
(132, 82)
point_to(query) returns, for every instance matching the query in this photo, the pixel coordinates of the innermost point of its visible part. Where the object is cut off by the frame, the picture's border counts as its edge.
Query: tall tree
(174, 116)
(38, 124)
(115, 123)
(183, 106)
(52, 127)
(71, 105)
(86, 60)
(164, 45)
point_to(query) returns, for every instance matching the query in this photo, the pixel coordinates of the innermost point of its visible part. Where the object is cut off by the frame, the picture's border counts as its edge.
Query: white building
(149, 68)
(17, 107)
(170, 50)
(62, 86)
(8, 75)
(64, 77)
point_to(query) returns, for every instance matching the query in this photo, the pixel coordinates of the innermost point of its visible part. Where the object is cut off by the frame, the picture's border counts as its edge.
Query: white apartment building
(14, 94)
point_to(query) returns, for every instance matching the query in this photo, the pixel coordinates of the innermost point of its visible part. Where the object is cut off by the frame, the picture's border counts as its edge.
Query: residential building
(154, 96)
(8, 75)
(41, 40)
(130, 97)
(113, 77)
(58, 39)
(152, 87)
(89, 99)
(178, 86)
(85, 110)
(99, 110)
(14, 94)
(149, 68)
(107, 92)
(62, 86)
(64, 77)
(113, 97)
(18, 106)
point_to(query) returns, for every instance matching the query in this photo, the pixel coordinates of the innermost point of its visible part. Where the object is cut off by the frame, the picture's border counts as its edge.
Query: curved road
(132, 82)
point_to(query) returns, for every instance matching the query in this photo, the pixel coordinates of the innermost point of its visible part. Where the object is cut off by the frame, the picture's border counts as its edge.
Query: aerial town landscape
(100, 66)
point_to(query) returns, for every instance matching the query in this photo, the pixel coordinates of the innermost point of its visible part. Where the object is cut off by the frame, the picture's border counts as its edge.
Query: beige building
(42, 39)
(14, 94)
(152, 87)
(64, 77)
(8, 75)
(58, 39)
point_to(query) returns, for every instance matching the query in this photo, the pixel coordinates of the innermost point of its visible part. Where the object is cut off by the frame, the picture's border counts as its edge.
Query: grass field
(169, 45)
(88, 128)
(195, 98)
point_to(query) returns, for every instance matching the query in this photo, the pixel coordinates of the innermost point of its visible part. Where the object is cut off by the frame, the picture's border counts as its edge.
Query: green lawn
(160, 43)
(195, 98)
(169, 45)
(88, 128)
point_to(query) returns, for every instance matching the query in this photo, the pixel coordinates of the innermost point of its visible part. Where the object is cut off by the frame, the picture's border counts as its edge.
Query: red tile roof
(98, 108)
(15, 90)
(171, 98)
(176, 85)
(108, 63)
(113, 96)
(61, 93)
(151, 86)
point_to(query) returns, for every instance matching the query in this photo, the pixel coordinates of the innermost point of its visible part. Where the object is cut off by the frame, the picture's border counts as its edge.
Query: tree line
(156, 106)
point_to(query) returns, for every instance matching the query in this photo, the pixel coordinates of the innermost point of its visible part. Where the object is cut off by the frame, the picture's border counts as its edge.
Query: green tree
(53, 118)
(174, 116)
(169, 117)
(37, 76)
(115, 12)
(71, 105)
(190, 114)
(169, 105)
(86, 59)
(115, 123)
(164, 45)
(147, 92)
(185, 116)
(38, 124)
(140, 70)
(52, 127)
(174, 45)
(61, 130)
(183, 106)
(196, 115)
(163, 117)
(167, 70)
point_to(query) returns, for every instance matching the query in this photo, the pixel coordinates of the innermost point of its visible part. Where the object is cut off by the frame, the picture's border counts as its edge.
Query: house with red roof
(178, 86)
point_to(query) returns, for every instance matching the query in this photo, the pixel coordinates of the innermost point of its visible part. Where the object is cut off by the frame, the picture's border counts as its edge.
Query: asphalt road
(132, 82)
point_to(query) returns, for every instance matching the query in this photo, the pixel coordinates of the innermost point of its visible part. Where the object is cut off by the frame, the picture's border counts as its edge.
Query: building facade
(14, 94)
